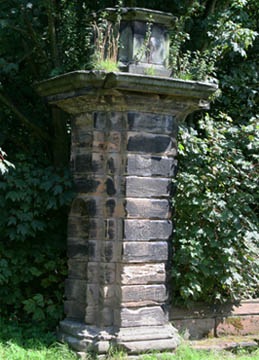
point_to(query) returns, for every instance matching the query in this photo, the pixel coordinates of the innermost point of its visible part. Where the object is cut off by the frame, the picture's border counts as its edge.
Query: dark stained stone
(110, 188)
(148, 143)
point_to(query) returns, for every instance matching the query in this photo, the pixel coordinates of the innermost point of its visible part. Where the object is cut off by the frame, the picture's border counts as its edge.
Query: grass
(184, 352)
(30, 342)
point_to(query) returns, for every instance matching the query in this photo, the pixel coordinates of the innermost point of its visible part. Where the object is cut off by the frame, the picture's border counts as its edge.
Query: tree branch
(51, 6)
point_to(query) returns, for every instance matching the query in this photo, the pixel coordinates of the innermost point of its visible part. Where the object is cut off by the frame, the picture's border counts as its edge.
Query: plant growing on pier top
(106, 37)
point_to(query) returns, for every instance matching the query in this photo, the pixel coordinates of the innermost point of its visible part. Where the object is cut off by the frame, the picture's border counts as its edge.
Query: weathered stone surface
(114, 207)
(81, 229)
(237, 325)
(86, 206)
(143, 274)
(110, 120)
(86, 163)
(116, 116)
(147, 165)
(74, 310)
(107, 294)
(101, 272)
(150, 316)
(87, 184)
(147, 187)
(108, 251)
(78, 251)
(149, 294)
(77, 269)
(148, 208)
(146, 333)
(196, 328)
(145, 346)
(154, 123)
(149, 143)
(82, 122)
(99, 316)
(145, 251)
(75, 290)
(147, 229)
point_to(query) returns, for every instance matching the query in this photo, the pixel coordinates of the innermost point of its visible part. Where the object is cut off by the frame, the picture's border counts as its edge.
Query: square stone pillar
(124, 130)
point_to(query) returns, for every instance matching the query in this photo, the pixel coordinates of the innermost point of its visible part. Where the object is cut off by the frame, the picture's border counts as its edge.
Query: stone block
(94, 252)
(78, 251)
(75, 310)
(110, 229)
(75, 290)
(83, 121)
(150, 316)
(86, 206)
(144, 252)
(149, 143)
(147, 187)
(110, 120)
(142, 230)
(81, 229)
(99, 317)
(100, 120)
(87, 163)
(148, 208)
(77, 269)
(113, 163)
(101, 273)
(194, 329)
(154, 123)
(117, 120)
(99, 185)
(143, 274)
(107, 251)
(107, 295)
(166, 331)
(84, 184)
(139, 294)
(144, 346)
(82, 163)
(110, 186)
(112, 251)
(82, 137)
(147, 165)
(237, 325)
(114, 207)
(99, 144)
(114, 141)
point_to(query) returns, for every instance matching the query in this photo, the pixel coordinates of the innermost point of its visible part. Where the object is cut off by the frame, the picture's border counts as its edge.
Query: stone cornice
(85, 81)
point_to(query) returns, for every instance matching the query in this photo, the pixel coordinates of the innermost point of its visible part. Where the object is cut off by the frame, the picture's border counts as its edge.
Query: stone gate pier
(124, 128)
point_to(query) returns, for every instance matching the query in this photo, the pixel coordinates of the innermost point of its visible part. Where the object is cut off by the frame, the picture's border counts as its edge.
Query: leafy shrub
(33, 203)
(216, 240)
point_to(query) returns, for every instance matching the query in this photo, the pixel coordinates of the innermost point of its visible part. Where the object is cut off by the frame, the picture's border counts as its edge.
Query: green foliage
(106, 41)
(33, 203)
(20, 342)
(216, 240)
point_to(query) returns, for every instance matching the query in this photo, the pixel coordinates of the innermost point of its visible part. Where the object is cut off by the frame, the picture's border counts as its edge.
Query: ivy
(33, 203)
(216, 238)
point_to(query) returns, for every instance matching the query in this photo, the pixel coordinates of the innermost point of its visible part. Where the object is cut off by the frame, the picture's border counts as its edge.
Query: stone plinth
(124, 130)
(144, 40)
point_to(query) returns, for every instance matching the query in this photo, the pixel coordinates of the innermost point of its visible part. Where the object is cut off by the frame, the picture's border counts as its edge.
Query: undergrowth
(31, 342)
